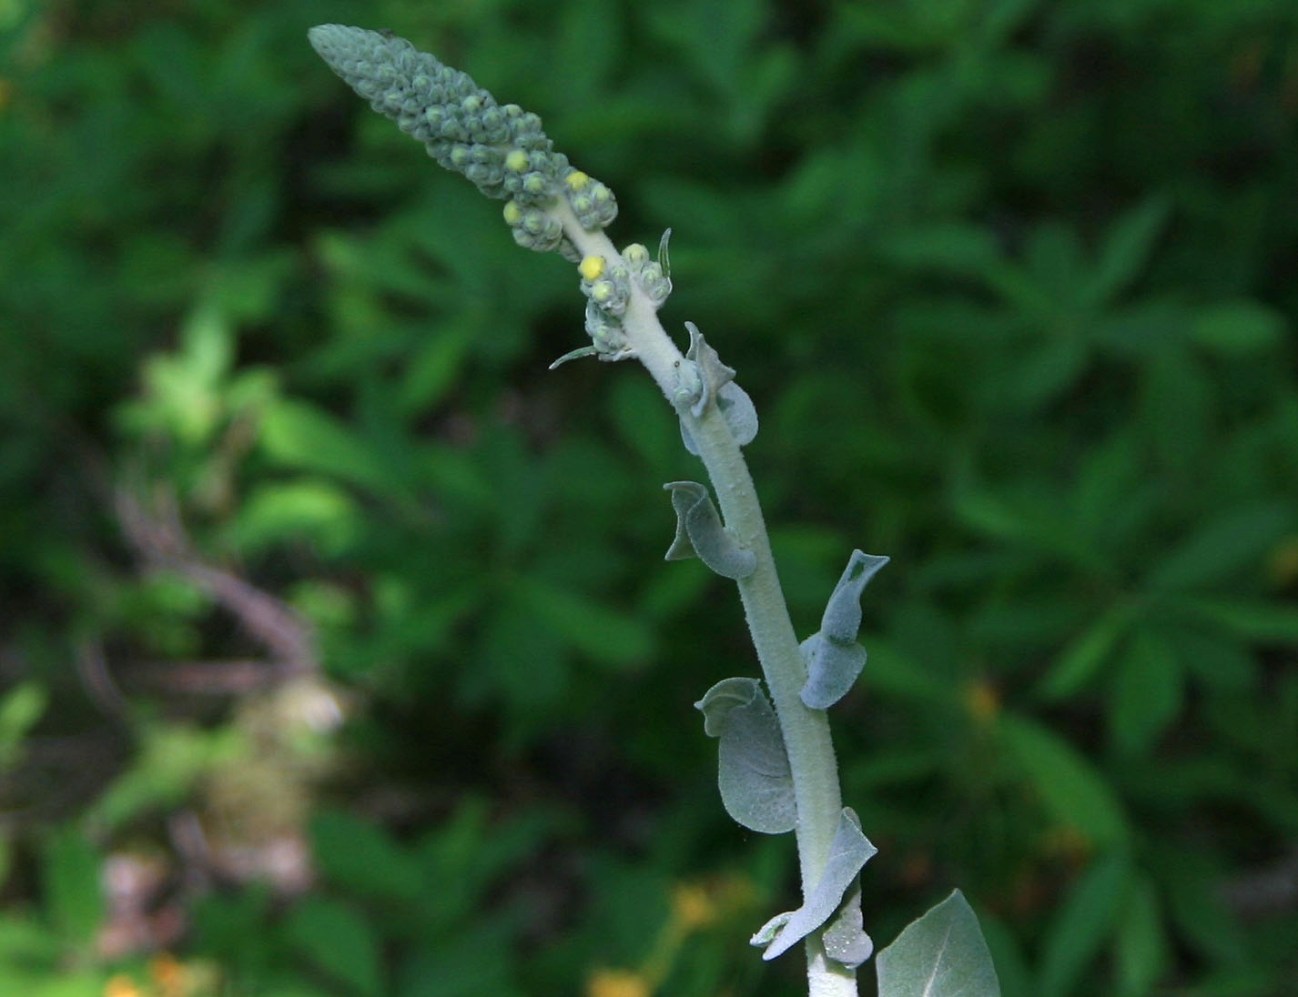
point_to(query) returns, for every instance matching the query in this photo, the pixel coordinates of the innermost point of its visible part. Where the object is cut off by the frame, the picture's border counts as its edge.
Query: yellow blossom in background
(736, 893)
(618, 983)
(169, 975)
(982, 701)
(122, 985)
(693, 906)
(1284, 562)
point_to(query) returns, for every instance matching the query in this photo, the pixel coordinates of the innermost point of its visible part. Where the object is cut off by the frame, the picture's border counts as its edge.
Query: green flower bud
(606, 333)
(647, 275)
(569, 252)
(636, 255)
(592, 203)
(654, 283)
(491, 127)
(534, 228)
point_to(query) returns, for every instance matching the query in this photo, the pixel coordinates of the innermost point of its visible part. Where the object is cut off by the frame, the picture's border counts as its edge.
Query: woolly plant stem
(806, 731)
(552, 206)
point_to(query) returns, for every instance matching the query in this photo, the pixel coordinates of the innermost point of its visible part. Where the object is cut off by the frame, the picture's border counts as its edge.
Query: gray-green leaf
(712, 372)
(845, 940)
(739, 412)
(699, 533)
(943, 954)
(714, 381)
(754, 777)
(831, 670)
(737, 408)
(842, 617)
(834, 659)
(848, 853)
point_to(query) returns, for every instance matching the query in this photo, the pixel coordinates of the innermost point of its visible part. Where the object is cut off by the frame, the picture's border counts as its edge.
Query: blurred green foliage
(1010, 281)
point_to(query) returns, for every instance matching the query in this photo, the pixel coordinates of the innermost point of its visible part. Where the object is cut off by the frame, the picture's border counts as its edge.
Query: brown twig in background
(160, 541)
(92, 668)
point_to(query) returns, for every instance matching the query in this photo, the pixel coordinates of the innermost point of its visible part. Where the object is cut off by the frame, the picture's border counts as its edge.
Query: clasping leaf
(754, 777)
(845, 940)
(834, 658)
(848, 853)
(705, 379)
(699, 533)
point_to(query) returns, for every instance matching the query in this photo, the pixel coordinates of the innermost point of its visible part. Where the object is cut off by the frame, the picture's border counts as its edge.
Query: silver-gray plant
(777, 767)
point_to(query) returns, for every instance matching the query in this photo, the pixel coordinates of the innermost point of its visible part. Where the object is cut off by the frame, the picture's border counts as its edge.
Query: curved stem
(806, 731)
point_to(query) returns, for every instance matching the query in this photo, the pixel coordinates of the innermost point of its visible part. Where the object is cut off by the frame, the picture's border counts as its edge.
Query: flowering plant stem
(777, 767)
(806, 731)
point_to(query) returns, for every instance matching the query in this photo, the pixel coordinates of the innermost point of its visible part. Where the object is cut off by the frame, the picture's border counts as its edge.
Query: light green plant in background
(778, 772)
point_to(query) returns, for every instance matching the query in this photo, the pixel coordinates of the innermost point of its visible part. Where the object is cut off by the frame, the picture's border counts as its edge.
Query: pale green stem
(806, 731)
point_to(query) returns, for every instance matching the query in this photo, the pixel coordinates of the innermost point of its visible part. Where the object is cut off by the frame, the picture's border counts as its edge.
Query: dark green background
(1012, 284)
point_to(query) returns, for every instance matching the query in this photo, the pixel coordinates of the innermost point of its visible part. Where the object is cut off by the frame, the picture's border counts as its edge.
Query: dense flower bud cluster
(607, 287)
(608, 291)
(533, 228)
(647, 274)
(592, 202)
(501, 148)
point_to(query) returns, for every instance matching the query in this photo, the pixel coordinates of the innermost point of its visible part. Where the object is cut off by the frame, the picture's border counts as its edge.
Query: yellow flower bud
(513, 213)
(592, 267)
(576, 180)
(517, 161)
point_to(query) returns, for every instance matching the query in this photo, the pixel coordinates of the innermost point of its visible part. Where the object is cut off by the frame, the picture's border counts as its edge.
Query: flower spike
(501, 148)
